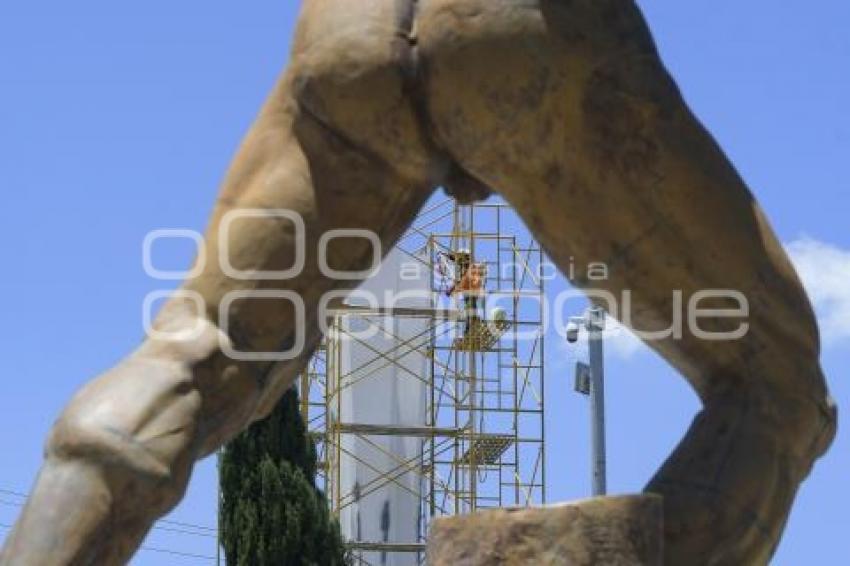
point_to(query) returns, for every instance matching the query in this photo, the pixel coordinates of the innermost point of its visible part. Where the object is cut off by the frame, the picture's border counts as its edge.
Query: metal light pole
(595, 328)
(590, 380)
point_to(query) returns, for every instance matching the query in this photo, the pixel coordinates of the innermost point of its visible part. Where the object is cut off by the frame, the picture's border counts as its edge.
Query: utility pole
(590, 381)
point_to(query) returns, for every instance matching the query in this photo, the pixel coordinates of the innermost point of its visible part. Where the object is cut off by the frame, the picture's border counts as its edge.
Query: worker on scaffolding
(468, 282)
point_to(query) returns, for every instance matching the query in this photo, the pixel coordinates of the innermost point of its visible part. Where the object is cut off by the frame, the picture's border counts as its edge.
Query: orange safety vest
(472, 281)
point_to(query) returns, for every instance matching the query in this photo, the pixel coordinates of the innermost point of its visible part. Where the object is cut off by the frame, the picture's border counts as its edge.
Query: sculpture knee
(800, 414)
(812, 424)
(147, 451)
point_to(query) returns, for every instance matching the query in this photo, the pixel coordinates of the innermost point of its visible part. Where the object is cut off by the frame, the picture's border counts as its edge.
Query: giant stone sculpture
(564, 107)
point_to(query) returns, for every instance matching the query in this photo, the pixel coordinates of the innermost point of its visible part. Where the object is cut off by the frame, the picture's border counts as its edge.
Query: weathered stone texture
(611, 531)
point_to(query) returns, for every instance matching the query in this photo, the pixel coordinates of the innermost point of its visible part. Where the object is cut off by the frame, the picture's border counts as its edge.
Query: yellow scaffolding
(484, 436)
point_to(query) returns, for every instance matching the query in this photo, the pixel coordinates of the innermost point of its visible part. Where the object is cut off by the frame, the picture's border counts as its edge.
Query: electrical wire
(197, 530)
(152, 549)
(205, 531)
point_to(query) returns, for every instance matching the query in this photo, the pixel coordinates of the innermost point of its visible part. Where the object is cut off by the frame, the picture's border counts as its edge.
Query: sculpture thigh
(566, 108)
(121, 454)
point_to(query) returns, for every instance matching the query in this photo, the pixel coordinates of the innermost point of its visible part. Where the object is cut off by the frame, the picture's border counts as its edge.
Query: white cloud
(621, 341)
(825, 271)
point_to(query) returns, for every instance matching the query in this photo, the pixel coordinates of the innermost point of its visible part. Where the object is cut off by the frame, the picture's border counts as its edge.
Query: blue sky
(120, 118)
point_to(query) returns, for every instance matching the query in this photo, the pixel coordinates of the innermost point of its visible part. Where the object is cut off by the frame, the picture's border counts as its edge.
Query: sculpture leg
(566, 108)
(121, 454)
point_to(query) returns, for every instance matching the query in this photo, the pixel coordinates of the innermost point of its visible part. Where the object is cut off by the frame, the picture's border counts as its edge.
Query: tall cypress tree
(272, 514)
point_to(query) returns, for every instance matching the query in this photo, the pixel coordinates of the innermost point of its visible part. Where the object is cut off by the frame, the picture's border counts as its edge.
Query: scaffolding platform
(487, 449)
(482, 335)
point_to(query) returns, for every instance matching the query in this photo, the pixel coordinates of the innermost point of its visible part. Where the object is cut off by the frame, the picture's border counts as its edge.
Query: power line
(157, 527)
(8, 492)
(152, 549)
(175, 553)
(206, 532)
(189, 525)
(196, 530)
(210, 531)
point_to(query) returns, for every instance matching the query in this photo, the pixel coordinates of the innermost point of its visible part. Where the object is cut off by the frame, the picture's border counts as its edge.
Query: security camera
(572, 332)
